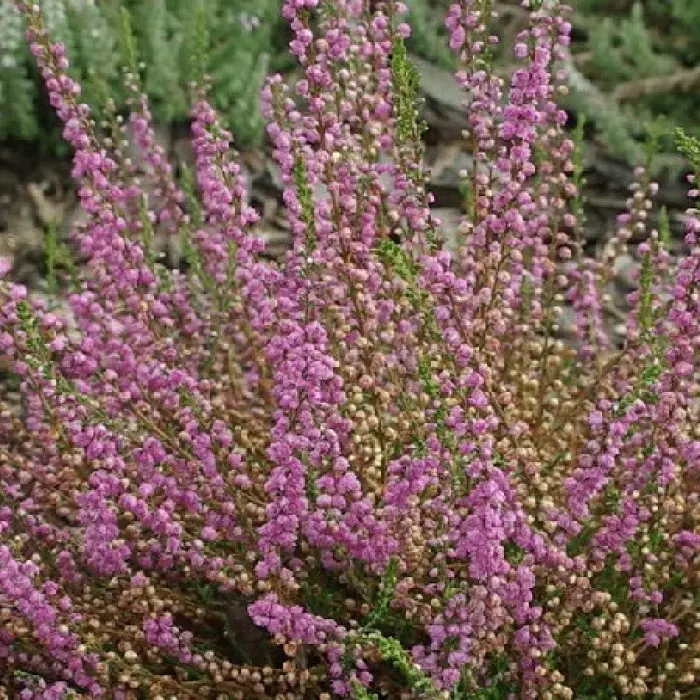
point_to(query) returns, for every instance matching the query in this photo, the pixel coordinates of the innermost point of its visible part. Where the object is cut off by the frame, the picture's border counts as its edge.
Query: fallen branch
(683, 80)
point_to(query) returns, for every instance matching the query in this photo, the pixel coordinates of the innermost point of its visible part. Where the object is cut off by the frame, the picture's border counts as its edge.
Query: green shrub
(641, 55)
(242, 50)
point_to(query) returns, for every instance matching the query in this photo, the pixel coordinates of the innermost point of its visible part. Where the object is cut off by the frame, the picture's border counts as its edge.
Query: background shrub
(243, 48)
(636, 63)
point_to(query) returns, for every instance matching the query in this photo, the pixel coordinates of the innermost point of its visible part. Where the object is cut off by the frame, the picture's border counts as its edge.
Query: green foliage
(428, 34)
(394, 256)
(386, 594)
(689, 146)
(241, 48)
(643, 388)
(628, 42)
(306, 200)
(578, 177)
(395, 655)
(406, 82)
(59, 259)
(624, 50)
(498, 687)
(359, 692)
(16, 89)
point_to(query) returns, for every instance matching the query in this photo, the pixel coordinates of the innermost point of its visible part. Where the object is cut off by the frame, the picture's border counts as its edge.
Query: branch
(683, 80)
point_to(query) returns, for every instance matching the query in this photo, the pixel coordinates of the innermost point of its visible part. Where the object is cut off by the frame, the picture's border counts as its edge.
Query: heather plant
(375, 468)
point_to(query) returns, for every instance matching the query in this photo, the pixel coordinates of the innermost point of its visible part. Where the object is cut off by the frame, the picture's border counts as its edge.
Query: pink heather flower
(163, 634)
(657, 629)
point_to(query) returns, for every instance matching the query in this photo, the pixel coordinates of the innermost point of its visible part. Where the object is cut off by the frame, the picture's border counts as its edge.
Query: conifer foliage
(242, 49)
